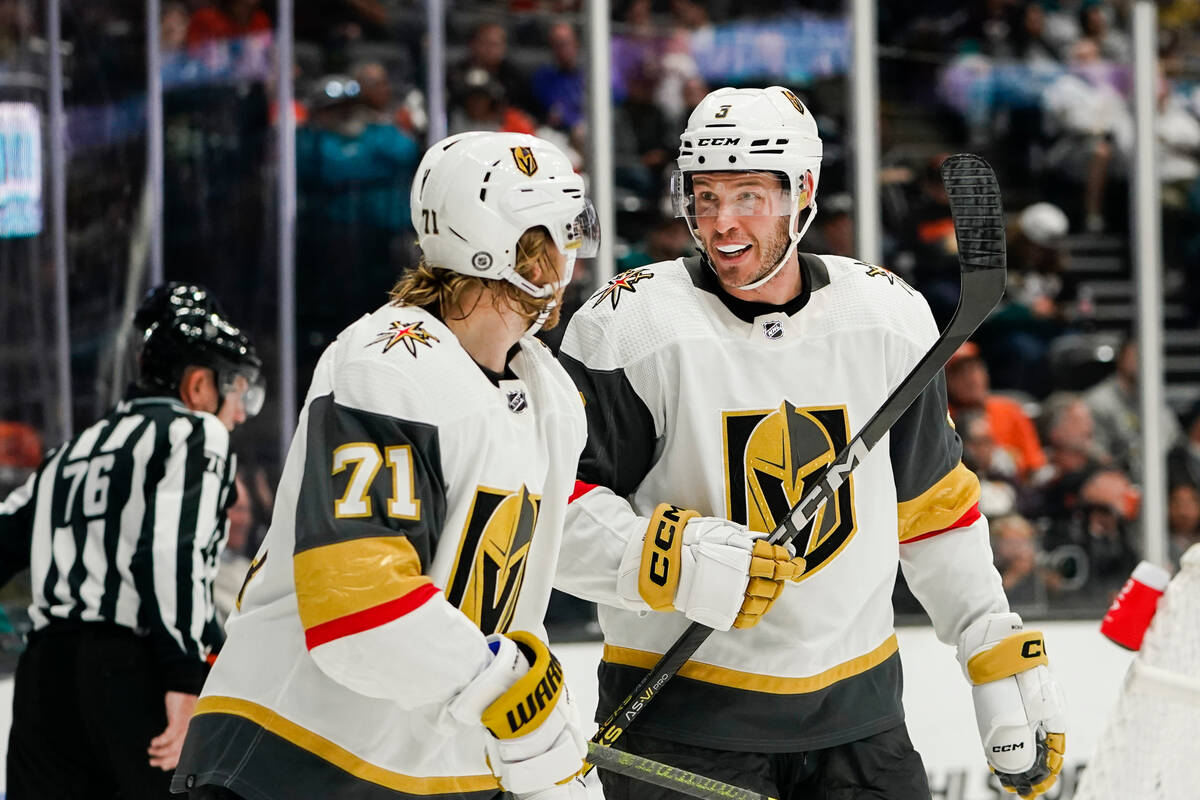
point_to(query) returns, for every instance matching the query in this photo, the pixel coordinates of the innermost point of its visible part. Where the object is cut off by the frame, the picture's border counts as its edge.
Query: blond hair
(433, 287)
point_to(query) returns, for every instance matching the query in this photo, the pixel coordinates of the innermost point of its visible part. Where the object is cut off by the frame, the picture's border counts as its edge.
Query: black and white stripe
(125, 524)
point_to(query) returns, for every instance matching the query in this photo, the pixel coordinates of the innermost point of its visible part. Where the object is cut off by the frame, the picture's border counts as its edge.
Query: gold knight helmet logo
(523, 157)
(490, 566)
(773, 458)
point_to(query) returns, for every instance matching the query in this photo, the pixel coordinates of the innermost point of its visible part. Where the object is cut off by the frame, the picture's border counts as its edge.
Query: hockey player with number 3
(388, 641)
(716, 389)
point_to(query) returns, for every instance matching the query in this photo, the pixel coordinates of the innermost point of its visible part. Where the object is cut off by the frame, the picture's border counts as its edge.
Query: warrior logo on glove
(772, 459)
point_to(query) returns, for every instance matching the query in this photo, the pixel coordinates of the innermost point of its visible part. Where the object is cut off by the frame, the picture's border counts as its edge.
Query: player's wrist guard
(1019, 706)
(714, 571)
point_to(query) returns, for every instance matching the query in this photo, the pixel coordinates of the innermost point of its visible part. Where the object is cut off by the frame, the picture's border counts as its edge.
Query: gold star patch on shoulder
(880, 272)
(410, 333)
(621, 283)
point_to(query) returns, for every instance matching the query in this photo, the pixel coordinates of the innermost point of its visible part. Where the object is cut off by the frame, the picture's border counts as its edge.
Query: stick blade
(975, 205)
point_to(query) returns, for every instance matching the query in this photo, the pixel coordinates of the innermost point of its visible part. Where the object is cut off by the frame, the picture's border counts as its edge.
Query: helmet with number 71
(752, 130)
(476, 193)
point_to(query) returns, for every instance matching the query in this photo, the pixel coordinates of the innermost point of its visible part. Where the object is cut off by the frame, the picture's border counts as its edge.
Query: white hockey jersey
(730, 408)
(420, 508)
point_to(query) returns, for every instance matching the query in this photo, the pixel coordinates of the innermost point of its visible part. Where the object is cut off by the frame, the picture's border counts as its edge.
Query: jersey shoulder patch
(634, 314)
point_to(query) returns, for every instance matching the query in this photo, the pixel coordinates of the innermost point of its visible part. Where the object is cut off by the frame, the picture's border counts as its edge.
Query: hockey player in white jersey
(388, 641)
(722, 383)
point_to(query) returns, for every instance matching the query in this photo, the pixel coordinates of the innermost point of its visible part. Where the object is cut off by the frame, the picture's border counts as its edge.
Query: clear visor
(245, 386)
(739, 194)
(581, 235)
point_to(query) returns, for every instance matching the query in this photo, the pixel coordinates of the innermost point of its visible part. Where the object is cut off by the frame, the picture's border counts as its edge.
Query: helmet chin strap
(542, 291)
(787, 254)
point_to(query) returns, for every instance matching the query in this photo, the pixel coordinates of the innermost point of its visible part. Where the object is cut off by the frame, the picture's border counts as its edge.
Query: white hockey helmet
(752, 130)
(474, 194)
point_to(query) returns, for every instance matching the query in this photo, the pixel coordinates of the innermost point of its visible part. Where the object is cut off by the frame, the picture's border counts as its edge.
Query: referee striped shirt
(125, 524)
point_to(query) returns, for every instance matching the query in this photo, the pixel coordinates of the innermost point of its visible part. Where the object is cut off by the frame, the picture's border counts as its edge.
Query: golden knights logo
(795, 101)
(772, 459)
(490, 566)
(523, 157)
(621, 283)
(410, 333)
(880, 272)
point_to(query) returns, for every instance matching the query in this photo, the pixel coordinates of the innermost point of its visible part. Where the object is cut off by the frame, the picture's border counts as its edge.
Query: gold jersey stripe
(939, 506)
(339, 756)
(335, 580)
(753, 682)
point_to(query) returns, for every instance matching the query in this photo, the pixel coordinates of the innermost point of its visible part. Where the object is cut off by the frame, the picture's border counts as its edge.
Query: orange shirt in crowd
(1013, 430)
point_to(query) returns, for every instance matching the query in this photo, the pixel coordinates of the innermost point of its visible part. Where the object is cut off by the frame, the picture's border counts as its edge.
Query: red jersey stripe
(369, 618)
(966, 519)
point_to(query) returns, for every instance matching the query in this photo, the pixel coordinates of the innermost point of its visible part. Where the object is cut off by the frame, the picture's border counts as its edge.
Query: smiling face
(742, 218)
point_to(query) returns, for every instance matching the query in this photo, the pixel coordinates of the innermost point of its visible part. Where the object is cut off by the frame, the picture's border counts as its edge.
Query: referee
(122, 528)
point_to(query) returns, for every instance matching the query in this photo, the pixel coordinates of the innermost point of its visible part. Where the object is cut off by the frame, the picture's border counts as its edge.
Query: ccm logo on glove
(660, 556)
(1008, 748)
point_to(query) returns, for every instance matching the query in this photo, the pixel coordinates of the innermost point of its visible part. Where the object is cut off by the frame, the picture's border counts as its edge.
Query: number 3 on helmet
(476, 193)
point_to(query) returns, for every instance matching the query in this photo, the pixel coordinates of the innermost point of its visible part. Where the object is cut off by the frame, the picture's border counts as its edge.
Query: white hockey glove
(716, 572)
(536, 741)
(1019, 706)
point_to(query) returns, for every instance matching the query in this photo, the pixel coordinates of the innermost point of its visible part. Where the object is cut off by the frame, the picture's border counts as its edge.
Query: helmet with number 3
(476, 193)
(752, 130)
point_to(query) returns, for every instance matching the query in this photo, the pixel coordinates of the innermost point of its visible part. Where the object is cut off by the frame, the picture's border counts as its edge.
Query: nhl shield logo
(773, 328)
(517, 402)
(526, 163)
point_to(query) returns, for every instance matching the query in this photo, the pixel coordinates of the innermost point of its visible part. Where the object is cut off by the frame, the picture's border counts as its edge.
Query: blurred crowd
(1040, 87)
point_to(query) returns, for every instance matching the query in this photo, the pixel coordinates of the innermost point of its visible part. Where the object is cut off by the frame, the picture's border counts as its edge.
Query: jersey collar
(816, 277)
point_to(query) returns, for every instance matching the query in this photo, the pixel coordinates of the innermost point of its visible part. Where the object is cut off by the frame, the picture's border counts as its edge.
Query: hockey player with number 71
(716, 387)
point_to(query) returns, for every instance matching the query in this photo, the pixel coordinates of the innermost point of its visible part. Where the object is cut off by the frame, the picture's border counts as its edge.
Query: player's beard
(772, 251)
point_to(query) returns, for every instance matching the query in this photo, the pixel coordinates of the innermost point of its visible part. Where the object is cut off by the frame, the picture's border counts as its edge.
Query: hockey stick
(974, 198)
(659, 774)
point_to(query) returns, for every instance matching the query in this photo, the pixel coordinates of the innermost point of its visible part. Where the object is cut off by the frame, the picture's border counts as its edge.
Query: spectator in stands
(1114, 405)
(488, 51)
(645, 142)
(20, 454)
(1092, 128)
(1183, 462)
(1015, 552)
(173, 27)
(968, 387)
(1041, 303)
(558, 85)
(1071, 453)
(833, 232)
(1032, 44)
(666, 241)
(1095, 26)
(1183, 519)
(998, 490)
(376, 92)
(354, 174)
(926, 239)
(485, 108)
(227, 19)
(1099, 519)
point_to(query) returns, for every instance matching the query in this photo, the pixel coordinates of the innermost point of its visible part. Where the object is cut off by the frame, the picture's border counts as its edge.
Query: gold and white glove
(537, 744)
(1019, 706)
(714, 571)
